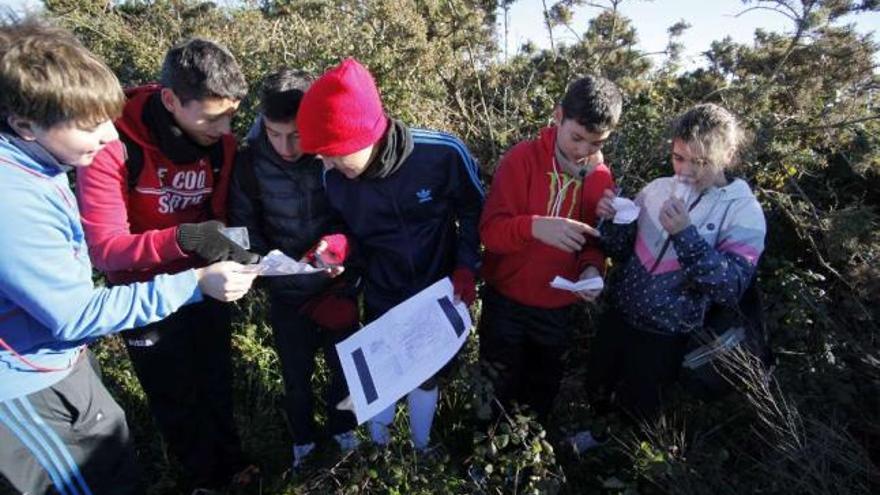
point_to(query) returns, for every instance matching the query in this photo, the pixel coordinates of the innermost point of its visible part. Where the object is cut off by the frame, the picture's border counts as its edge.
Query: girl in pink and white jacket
(696, 243)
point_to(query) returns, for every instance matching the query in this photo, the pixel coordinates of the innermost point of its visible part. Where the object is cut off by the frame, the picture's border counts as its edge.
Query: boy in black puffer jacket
(277, 193)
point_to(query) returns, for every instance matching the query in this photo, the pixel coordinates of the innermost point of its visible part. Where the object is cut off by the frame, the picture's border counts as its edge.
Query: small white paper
(396, 353)
(626, 210)
(592, 283)
(683, 189)
(238, 235)
(276, 263)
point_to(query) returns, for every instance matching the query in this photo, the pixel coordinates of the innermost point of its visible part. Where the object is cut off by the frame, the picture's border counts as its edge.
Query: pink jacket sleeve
(102, 193)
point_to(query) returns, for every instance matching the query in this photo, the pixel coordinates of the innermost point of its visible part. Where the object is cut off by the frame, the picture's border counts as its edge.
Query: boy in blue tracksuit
(410, 198)
(60, 431)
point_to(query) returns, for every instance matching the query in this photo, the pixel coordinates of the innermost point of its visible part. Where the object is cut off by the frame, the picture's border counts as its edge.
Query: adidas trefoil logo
(424, 195)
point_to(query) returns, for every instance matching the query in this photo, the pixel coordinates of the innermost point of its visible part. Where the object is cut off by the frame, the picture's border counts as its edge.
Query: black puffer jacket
(284, 206)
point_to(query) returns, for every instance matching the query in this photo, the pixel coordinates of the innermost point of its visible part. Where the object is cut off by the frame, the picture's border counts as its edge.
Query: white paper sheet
(626, 210)
(276, 263)
(238, 235)
(593, 283)
(396, 353)
(683, 189)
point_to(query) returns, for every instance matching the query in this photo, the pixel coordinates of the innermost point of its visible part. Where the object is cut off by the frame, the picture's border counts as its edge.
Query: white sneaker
(583, 441)
(347, 441)
(379, 433)
(301, 452)
(431, 453)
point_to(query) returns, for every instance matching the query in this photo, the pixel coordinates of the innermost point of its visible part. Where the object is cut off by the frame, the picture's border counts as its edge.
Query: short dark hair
(198, 68)
(282, 92)
(594, 102)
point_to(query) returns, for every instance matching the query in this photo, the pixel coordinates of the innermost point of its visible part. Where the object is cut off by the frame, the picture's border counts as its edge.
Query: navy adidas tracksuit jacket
(415, 225)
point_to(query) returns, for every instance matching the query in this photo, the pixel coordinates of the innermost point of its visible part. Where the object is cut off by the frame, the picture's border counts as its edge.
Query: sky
(709, 19)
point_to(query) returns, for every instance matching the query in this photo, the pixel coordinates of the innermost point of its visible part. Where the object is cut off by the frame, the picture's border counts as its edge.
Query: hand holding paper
(397, 352)
(683, 189)
(276, 263)
(593, 283)
(238, 235)
(331, 250)
(589, 295)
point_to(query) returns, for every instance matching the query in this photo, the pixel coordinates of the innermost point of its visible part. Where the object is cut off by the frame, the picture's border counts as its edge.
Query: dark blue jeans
(184, 365)
(297, 341)
(524, 345)
(634, 366)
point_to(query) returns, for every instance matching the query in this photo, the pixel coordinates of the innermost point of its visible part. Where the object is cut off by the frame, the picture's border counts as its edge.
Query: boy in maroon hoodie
(538, 223)
(154, 202)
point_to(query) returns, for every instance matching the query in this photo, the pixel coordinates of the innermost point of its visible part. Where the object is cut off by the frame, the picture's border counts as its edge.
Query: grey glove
(206, 240)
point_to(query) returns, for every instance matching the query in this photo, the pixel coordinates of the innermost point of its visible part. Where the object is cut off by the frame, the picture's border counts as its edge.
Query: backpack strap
(134, 160)
(216, 156)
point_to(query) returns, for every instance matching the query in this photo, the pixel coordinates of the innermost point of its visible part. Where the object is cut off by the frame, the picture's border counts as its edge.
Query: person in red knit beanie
(411, 199)
(350, 117)
(539, 223)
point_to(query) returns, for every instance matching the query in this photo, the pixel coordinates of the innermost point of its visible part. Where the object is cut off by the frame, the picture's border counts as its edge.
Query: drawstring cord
(21, 358)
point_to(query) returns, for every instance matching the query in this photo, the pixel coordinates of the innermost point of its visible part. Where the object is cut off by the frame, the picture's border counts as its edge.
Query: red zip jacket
(516, 264)
(132, 235)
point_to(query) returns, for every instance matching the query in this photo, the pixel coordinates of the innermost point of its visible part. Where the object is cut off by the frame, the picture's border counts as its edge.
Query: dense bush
(809, 98)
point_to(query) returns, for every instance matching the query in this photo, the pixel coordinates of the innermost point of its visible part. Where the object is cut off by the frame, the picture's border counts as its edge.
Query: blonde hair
(712, 133)
(47, 76)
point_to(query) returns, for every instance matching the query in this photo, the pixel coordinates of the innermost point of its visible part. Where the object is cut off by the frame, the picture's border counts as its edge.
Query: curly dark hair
(198, 68)
(594, 102)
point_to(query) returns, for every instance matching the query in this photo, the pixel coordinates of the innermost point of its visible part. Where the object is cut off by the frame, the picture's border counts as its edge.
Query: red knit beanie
(341, 112)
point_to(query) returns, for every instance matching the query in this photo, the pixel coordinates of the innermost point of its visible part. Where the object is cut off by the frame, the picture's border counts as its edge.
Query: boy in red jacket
(153, 203)
(538, 222)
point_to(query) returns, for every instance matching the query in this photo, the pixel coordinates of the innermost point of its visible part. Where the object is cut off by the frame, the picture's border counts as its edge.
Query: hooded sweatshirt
(132, 234)
(525, 186)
